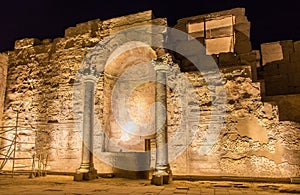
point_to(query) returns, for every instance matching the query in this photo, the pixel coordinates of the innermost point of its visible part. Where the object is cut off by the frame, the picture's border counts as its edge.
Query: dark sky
(270, 20)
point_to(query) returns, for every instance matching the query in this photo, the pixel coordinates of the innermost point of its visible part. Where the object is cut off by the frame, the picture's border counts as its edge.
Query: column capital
(161, 64)
(90, 74)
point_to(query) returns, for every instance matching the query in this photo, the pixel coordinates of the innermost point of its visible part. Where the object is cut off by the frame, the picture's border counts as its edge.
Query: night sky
(270, 20)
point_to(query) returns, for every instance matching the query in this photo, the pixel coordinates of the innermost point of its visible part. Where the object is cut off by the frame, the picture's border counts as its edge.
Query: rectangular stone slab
(271, 52)
(218, 45)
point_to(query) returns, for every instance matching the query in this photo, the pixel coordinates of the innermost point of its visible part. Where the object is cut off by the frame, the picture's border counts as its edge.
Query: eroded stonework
(3, 75)
(218, 122)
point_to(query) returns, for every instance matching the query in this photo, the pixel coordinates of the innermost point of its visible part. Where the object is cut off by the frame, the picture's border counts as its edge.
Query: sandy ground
(53, 184)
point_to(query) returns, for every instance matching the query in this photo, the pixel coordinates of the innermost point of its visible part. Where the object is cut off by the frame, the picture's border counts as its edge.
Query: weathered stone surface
(25, 43)
(271, 52)
(297, 46)
(284, 64)
(242, 43)
(219, 27)
(83, 28)
(288, 106)
(196, 27)
(3, 75)
(235, 12)
(287, 48)
(228, 59)
(247, 139)
(227, 31)
(276, 85)
(219, 45)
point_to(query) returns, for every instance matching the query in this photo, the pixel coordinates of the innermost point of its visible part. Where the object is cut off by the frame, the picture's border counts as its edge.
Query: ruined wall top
(235, 12)
(280, 67)
(220, 32)
(95, 28)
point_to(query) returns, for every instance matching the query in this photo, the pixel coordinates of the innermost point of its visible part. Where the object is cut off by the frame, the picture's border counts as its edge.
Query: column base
(161, 177)
(85, 175)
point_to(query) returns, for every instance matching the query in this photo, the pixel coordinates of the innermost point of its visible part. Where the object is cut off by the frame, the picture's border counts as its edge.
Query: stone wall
(245, 139)
(3, 75)
(40, 81)
(288, 106)
(252, 142)
(225, 35)
(281, 67)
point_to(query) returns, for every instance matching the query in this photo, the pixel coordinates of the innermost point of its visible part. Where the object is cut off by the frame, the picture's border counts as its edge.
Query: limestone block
(219, 45)
(25, 43)
(219, 27)
(240, 19)
(83, 28)
(127, 20)
(283, 68)
(297, 46)
(234, 12)
(242, 43)
(219, 32)
(294, 79)
(196, 27)
(295, 57)
(243, 28)
(276, 85)
(196, 35)
(271, 52)
(271, 69)
(248, 58)
(287, 49)
(228, 59)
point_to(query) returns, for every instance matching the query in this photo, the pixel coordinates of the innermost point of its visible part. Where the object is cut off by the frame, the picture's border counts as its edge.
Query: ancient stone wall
(3, 75)
(251, 142)
(247, 139)
(41, 77)
(225, 36)
(288, 106)
(281, 67)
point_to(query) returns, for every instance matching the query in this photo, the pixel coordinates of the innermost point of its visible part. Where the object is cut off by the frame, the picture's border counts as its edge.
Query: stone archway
(129, 75)
(123, 58)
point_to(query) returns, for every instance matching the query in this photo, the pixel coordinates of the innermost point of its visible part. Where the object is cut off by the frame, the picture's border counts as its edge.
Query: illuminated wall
(251, 140)
(3, 75)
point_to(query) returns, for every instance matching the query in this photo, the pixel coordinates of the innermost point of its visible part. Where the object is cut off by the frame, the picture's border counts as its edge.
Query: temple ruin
(111, 97)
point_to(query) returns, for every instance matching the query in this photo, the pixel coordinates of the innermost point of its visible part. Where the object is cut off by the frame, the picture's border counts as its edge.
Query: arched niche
(129, 97)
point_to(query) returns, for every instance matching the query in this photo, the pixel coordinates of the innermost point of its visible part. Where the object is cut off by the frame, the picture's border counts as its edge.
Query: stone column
(87, 170)
(162, 173)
